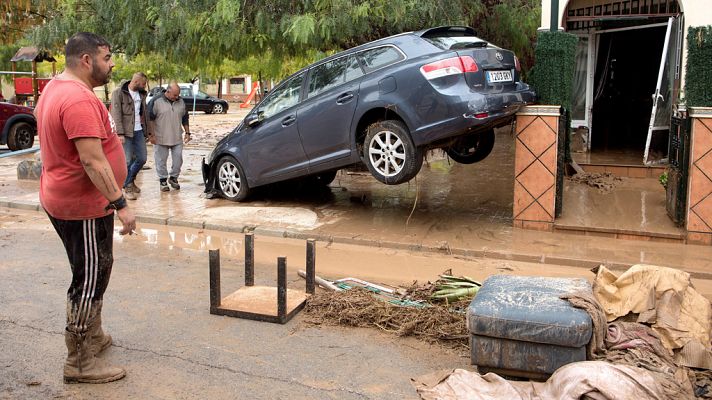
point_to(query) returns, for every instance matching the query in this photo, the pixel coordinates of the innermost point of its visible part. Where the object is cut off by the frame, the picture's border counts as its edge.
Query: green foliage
(663, 179)
(698, 74)
(511, 24)
(277, 36)
(553, 73)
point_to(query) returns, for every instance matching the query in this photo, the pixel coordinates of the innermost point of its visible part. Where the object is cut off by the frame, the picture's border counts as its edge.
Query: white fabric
(137, 110)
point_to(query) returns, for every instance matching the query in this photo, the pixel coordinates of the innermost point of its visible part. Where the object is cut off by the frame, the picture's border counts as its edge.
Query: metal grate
(562, 157)
(677, 174)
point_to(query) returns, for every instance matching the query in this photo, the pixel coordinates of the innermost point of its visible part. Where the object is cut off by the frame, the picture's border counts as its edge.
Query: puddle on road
(176, 238)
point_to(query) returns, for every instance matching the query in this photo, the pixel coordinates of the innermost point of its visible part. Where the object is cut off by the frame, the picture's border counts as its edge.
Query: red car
(18, 126)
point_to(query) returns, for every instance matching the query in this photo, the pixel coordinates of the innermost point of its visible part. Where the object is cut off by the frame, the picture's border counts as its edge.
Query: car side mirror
(252, 119)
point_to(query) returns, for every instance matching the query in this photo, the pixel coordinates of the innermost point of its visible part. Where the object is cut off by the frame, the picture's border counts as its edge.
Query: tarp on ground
(665, 299)
(599, 380)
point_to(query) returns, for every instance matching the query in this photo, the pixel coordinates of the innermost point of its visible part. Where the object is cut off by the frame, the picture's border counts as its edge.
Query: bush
(553, 73)
(698, 73)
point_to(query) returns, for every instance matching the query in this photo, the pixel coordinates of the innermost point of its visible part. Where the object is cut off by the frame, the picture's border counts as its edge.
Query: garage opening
(626, 74)
(626, 79)
(625, 91)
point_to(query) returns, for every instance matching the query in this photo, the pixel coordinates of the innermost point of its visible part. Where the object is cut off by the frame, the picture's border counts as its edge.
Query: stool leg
(282, 288)
(249, 259)
(311, 265)
(214, 256)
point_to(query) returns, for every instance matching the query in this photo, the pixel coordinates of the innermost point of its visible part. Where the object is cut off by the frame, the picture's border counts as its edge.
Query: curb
(484, 252)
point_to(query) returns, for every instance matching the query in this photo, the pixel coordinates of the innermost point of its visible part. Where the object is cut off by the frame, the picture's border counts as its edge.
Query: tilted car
(383, 103)
(18, 126)
(203, 102)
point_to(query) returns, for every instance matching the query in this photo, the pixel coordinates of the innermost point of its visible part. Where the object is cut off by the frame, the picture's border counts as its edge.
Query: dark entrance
(626, 73)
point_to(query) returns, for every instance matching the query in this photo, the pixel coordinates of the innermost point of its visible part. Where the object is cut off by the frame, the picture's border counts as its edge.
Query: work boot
(129, 194)
(132, 186)
(174, 183)
(82, 366)
(98, 340)
(164, 186)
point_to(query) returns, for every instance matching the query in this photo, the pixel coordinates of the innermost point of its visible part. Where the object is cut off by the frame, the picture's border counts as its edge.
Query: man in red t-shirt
(82, 161)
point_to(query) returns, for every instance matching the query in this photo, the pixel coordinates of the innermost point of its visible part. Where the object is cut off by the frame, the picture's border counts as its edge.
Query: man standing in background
(169, 116)
(128, 105)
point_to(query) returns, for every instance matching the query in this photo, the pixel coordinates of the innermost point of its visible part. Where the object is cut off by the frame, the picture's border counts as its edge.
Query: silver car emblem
(499, 56)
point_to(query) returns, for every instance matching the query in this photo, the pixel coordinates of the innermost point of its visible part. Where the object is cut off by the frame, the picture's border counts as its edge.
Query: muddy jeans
(89, 246)
(160, 156)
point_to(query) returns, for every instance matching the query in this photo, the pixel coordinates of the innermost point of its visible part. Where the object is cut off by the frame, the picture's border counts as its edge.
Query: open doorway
(627, 68)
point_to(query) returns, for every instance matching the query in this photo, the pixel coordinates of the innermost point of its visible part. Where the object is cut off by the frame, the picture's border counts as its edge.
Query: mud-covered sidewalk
(461, 210)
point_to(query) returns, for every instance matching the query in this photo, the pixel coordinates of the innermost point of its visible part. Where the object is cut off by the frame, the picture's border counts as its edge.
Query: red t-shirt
(68, 110)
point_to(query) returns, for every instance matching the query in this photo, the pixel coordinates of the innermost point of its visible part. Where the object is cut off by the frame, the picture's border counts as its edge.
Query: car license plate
(499, 76)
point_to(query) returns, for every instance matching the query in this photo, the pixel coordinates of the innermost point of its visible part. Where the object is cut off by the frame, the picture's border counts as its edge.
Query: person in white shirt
(128, 105)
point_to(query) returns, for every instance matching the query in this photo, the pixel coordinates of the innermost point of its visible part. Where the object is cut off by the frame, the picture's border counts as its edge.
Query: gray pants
(160, 156)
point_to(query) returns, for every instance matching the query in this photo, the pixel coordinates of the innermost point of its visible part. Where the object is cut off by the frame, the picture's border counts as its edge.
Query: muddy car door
(326, 114)
(271, 146)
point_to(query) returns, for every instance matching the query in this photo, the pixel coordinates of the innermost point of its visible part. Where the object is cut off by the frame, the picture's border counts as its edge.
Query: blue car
(383, 104)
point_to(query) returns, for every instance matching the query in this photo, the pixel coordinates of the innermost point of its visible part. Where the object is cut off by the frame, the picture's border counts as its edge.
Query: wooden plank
(261, 300)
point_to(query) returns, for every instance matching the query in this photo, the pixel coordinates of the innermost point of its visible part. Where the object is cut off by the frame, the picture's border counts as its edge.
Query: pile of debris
(605, 182)
(434, 312)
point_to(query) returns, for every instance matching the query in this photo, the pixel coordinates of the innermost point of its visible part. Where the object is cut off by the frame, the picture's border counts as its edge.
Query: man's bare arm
(97, 167)
(99, 171)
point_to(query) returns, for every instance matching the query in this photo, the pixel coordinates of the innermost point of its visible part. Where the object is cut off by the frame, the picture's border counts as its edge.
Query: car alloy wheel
(231, 180)
(217, 109)
(391, 155)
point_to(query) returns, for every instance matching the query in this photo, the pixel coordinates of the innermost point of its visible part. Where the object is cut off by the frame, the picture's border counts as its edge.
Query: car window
(380, 57)
(185, 92)
(282, 98)
(326, 76)
(353, 69)
(333, 73)
(456, 41)
(201, 95)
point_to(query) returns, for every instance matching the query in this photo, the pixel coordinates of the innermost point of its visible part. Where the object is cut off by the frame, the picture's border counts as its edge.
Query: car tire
(21, 136)
(390, 154)
(230, 180)
(217, 109)
(472, 148)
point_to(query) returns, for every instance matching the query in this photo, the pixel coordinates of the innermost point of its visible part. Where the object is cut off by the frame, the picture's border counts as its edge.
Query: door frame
(593, 45)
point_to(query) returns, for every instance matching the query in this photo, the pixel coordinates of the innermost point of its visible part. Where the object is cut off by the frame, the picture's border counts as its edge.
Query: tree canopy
(276, 37)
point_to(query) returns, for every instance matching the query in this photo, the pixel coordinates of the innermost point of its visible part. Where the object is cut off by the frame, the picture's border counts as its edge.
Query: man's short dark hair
(83, 43)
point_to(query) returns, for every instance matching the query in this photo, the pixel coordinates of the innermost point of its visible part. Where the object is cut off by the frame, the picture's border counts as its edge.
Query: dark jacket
(122, 110)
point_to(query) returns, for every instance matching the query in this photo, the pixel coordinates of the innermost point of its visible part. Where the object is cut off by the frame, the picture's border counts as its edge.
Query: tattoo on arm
(108, 182)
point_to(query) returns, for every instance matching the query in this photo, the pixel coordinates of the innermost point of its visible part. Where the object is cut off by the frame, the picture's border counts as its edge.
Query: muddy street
(156, 308)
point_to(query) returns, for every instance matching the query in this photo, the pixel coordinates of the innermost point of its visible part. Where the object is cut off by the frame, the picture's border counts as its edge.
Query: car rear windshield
(455, 41)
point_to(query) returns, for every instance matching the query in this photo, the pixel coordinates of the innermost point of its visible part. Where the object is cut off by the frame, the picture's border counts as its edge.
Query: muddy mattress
(519, 326)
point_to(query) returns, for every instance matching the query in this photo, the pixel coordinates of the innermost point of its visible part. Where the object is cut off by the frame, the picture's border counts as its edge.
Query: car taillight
(517, 66)
(449, 66)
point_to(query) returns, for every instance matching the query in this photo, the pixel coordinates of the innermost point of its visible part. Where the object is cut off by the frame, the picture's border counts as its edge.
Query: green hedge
(698, 73)
(553, 73)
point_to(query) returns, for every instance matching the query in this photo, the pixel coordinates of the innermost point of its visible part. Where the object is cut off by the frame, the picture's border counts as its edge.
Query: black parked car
(382, 103)
(203, 101)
